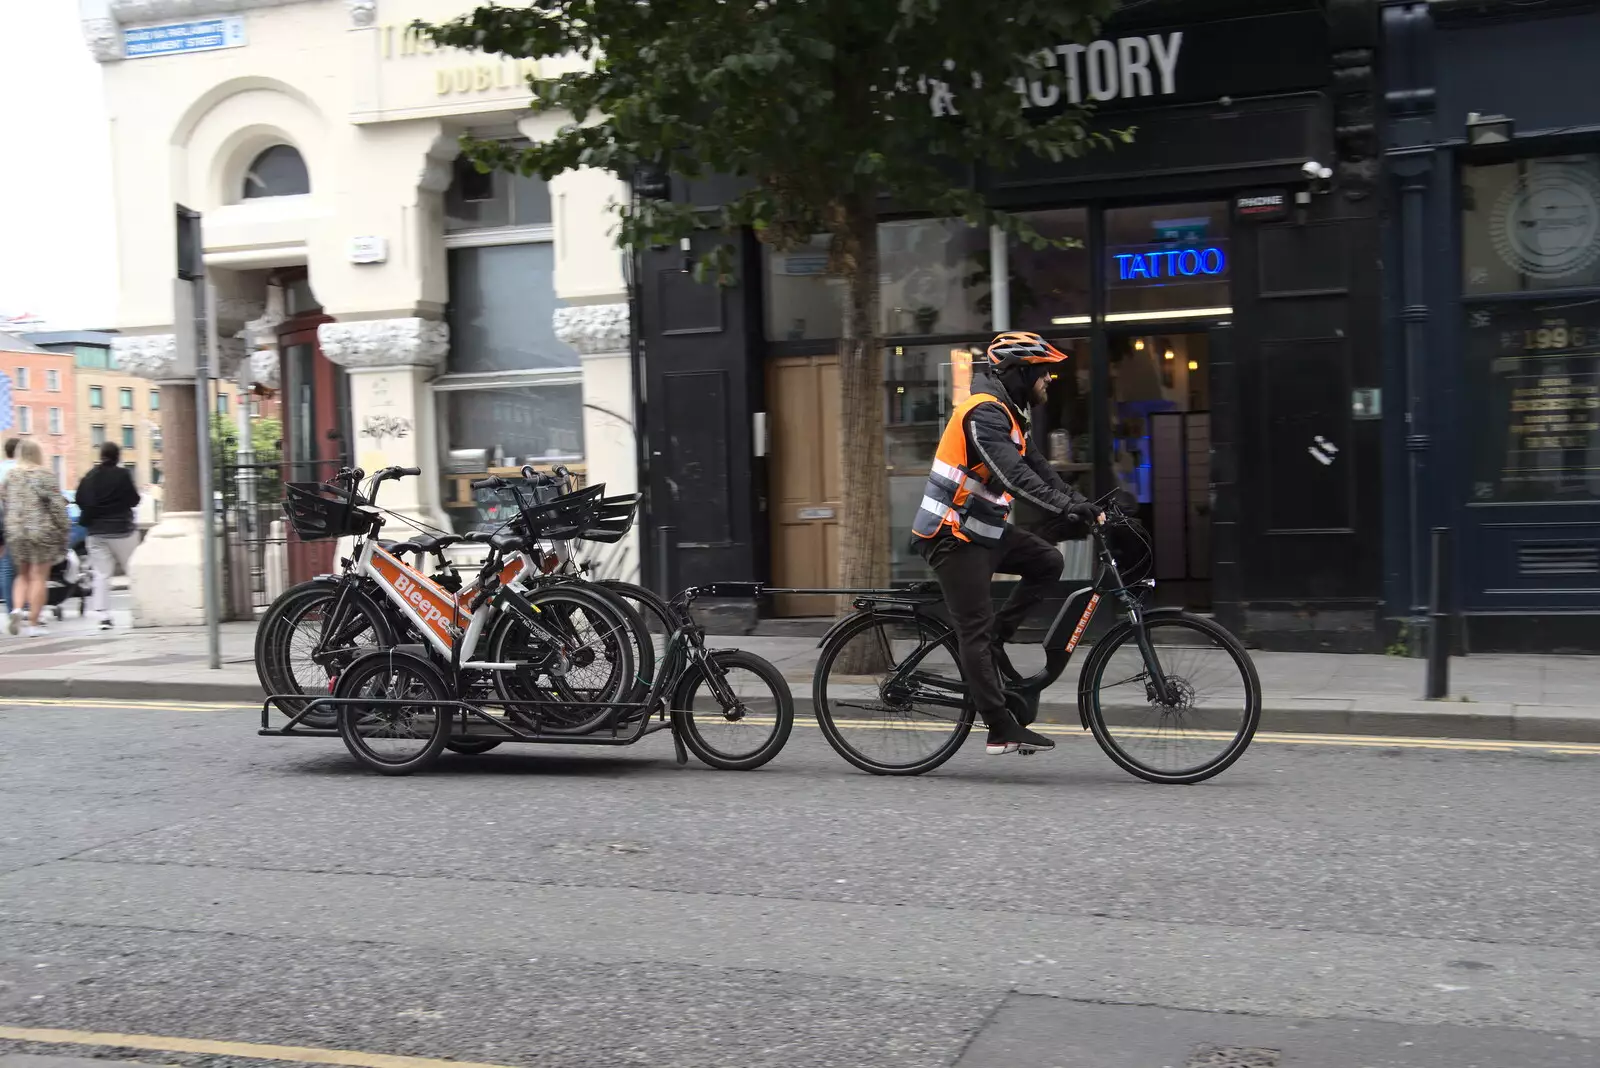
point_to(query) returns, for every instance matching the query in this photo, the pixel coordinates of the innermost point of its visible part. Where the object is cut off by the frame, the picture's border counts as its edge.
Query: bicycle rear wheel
(405, 726)
(588, 666)
(297, 624)
(909, 716)
(1215, 706)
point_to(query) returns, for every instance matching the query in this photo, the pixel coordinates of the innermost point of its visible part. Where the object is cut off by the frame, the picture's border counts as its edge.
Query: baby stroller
(68, 579)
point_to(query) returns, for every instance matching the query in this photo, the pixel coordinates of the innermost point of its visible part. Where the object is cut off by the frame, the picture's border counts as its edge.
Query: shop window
(935, 280)
(1531, 225)
(280, 171)
(1049, 287)
(125, 399)
(804, 302)
(935, 277)
(477, 201)
(1534, 374)
(502, 302)
(97, 398)
(1167, 262)
(512, 392)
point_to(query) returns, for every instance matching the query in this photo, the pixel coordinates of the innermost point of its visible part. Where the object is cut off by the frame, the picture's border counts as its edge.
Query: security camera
(1312, 169)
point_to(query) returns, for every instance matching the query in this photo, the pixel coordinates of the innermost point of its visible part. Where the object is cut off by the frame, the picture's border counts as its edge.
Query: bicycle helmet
(1016, 348)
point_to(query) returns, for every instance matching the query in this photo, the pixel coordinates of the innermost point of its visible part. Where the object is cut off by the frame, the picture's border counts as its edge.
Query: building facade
(41, 404)
(1222, 312)
(409, 310)
(1493, 314)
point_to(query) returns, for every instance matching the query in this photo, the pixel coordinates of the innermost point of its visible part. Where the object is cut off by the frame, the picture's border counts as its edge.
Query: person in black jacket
(961, 530)
(106, 500)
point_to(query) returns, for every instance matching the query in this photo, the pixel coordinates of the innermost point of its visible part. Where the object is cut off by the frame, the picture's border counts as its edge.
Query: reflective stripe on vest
(958, 496)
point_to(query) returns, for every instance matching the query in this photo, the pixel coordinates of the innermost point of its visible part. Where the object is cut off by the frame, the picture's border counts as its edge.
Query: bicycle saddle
(423, 543)
(505, 541)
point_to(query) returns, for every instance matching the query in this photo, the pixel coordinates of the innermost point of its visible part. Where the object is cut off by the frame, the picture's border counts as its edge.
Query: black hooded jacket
(1027, 477)
(106, 500)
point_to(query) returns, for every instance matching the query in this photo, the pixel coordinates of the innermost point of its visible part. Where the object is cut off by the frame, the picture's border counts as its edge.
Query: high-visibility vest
(958, 496)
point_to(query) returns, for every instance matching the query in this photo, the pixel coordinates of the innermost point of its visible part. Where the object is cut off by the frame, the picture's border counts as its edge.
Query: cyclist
(961, 531)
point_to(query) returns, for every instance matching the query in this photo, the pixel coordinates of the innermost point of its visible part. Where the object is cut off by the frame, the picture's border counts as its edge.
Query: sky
(57, 235)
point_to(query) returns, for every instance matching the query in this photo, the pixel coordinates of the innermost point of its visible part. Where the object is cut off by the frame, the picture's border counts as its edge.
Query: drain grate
(1233, 1057)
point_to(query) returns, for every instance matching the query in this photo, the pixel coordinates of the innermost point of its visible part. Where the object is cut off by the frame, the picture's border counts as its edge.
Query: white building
(411, 310)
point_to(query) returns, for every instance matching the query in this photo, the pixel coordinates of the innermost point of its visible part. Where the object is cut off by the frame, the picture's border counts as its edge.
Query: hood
(986, 381)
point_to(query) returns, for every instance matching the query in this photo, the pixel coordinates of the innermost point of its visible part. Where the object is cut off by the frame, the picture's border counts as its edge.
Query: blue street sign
(203, 35)
(7, 414)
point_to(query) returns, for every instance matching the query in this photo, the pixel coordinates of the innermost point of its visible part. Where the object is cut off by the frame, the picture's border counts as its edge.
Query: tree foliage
(822, 106)
(823, 112)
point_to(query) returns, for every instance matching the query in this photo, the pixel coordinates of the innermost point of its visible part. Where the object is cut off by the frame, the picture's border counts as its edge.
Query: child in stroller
(68, 579)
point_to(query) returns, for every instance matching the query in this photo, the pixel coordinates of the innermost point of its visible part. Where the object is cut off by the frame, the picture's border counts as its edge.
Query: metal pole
(664, 538)
(1439, 617)
(208, 508)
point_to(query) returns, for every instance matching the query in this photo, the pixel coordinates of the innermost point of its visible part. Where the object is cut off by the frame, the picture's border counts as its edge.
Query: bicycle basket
(612, 518)
(498, 507)
(317, 511)
(561, 519)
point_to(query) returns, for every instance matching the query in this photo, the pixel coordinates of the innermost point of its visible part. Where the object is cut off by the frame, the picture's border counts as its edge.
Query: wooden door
(803, 406)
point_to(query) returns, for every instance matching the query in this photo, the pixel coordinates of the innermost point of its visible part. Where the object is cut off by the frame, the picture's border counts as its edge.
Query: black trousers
(965, 571)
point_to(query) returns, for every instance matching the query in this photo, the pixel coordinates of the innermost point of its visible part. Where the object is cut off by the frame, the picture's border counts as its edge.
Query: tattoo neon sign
(1171, 263)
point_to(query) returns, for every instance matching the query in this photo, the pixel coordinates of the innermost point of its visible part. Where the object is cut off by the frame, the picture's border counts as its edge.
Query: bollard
(1439, 617)
(664, 537)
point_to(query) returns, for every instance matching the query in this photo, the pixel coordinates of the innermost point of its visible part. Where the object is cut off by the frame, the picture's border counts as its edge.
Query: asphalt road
(167, 875)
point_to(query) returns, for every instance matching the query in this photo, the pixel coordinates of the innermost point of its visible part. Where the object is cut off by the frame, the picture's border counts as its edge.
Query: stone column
(165, 576)
(600, 334)
(390, 362)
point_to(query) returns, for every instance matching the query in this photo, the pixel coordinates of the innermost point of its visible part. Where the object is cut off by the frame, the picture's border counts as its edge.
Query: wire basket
(563, 518)
(318, 511)
(612, 518)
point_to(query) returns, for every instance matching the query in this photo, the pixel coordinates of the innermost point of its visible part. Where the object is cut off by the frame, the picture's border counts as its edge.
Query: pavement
(175, 890)
(1520, 697)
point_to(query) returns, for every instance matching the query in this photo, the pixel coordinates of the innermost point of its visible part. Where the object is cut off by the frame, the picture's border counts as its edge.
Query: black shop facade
(1220, 309)
(1492, 139)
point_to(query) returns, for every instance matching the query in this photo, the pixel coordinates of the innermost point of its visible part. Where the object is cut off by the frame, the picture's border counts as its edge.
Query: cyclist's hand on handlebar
(1086, 513)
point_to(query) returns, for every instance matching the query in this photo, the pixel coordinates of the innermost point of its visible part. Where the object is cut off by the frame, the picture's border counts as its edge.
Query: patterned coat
(36, 516)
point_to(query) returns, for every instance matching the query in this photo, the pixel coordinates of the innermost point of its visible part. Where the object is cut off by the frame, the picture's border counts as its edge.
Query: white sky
(57, 241)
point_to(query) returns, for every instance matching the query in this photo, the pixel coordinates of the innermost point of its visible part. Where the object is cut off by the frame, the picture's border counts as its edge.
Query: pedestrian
(106, 500)
(7, 571)
(36, 532)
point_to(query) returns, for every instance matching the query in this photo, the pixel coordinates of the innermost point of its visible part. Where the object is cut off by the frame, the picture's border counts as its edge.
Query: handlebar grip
(492, 482)
(405, 472)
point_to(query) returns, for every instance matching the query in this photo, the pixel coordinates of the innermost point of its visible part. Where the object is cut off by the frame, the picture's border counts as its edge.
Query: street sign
(202, 35)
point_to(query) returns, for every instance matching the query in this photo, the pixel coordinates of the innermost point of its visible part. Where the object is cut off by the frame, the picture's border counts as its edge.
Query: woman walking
(36, 531)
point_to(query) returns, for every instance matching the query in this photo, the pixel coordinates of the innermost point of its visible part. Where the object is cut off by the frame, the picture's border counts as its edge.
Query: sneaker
(1006, 735)
(40, 631)
(14, 621)
(105, 623)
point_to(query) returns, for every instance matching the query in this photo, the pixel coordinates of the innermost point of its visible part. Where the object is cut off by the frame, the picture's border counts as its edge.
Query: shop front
(1218, 302)
(1497, 341)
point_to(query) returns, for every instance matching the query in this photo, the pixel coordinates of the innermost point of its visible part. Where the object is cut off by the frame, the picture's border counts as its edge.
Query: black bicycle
(1171, 696)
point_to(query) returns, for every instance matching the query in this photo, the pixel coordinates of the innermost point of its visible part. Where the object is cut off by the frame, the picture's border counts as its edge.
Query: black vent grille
(1549, 558)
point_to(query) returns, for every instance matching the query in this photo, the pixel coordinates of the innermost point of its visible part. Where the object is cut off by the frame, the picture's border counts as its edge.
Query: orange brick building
(43, 403)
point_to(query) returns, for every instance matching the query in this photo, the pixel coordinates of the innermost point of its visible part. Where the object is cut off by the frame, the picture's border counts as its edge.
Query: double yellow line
(1348, 741)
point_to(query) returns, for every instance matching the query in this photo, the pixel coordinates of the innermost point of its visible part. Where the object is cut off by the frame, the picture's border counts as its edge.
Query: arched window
(277, 172)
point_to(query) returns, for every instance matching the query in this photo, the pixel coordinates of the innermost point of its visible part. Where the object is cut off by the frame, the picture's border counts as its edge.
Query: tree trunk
(864, 527)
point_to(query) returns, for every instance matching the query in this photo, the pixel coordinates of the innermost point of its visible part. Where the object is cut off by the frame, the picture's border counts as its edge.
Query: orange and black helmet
(1016, 348)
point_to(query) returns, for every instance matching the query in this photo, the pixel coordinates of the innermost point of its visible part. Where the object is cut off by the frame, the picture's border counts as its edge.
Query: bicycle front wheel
(733, 711)
(889, 694)
(1214, 701)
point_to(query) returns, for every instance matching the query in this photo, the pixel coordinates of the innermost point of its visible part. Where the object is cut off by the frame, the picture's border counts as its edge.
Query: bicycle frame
(1060, 642)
